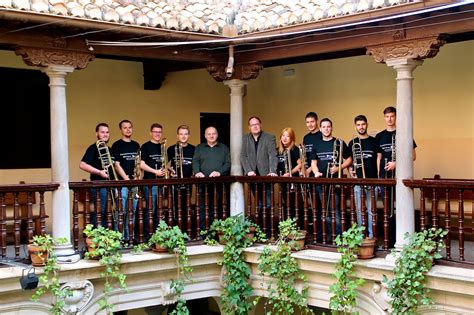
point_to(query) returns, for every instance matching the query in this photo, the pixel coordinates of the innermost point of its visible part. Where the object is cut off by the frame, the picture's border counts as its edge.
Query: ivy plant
(407, 289)
(49, 279)
(175, 240)
(106, 246)
(284, 273)
(238, 233)
(344, 290)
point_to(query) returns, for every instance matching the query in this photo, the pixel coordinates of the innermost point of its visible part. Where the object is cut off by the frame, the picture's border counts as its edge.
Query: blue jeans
(337, 194)
(103, 206)
(126, 233)
(368, 195)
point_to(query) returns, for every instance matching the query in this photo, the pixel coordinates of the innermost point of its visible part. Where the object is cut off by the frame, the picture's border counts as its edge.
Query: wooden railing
(444, 203)
(16, 207)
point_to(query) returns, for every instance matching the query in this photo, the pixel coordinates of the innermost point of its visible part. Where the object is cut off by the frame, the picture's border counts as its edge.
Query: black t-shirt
(384, 140)
(125, 153)
(369, 151)
(188, 153)
(323, 153)
(294, 156)
(310, 140)
(92, 158)
(151, 155)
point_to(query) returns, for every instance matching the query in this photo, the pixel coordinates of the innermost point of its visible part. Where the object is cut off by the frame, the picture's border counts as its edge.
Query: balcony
(442, 203)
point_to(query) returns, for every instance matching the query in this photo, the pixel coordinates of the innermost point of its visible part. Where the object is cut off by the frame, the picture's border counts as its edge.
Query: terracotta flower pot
(366, 250)
(160, 249)
(92, 253)
(220, 236)
(37, 256)
(251, 233)
(298, 242)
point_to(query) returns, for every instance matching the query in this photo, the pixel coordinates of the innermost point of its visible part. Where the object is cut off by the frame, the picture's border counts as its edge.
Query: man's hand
(251, 173)
(390, 166)
(215, 174)
(199, 175)
(272, 174)
(104, 174)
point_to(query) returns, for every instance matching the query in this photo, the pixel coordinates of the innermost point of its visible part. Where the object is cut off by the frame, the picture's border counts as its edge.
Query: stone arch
(25, 308)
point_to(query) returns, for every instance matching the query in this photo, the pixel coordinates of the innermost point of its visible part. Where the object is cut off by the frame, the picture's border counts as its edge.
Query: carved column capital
(419, 48)
(246, 71)
(43, 57)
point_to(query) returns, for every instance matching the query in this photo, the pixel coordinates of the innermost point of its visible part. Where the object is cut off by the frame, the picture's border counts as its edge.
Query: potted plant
(407, 288)
(105, 246)
(43, 246)
(174, 241)
(344, 290)
(290, 233)
(284, 274)
(237, 233)
(367, 248)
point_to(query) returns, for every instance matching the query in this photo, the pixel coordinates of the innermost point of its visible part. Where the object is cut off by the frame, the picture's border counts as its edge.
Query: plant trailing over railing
(105, 246)
(344, 291)
(284, 273)
(237, 233)
(174, 240)
(407, 288)
(49, 279)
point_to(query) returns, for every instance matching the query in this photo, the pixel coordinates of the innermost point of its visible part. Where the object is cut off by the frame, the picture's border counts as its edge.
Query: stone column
(405, 215)
(57, 63)
(236, 99)
(60, 160)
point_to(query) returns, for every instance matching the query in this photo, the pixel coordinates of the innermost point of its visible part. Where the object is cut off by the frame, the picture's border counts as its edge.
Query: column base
(66, 254)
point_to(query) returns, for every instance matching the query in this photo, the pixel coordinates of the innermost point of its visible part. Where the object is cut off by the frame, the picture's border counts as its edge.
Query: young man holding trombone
(364, 165)
(329, 158)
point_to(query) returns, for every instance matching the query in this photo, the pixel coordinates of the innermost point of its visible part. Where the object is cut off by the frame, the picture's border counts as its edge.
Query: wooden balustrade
(448, 204)
(17, 208)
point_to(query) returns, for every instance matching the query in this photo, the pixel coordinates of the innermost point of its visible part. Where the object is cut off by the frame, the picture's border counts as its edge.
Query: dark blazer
(263, 161)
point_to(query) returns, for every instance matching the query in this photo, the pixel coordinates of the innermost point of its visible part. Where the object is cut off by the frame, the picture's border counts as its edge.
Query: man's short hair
(123, 122)
(359, 118)
(311, 115)
(324, 120)
(155, 125)
(255, 117)
(102, 124)
(185, 127)
(390, 109)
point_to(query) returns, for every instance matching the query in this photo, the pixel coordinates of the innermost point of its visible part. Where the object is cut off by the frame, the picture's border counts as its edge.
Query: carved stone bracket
(380, 295)
(241, 71)
(420, 48)
(81, 295)
(45, 57)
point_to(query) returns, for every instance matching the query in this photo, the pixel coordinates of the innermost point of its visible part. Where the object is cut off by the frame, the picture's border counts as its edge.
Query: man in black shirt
(125, 151)
(325, 163)
(311, 138)
(364, 165)
(181, 159)
(386, 162)
(153, 168)
(91, 163)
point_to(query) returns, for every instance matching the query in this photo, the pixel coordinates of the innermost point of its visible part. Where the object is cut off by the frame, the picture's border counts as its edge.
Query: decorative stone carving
(82, 292)
(241, 71)
(411, 49)
(45, 57)
(380, 295)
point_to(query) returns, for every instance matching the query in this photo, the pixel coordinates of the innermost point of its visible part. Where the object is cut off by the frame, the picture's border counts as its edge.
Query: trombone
(164, 158)
(137, 171)
(392, 175)
(107, 163)
(358, 156)
(289, 166)
(336, 158)
(302, 150)
(178, 158)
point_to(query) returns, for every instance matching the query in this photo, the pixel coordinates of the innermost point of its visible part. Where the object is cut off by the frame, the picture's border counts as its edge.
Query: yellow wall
(109, 90)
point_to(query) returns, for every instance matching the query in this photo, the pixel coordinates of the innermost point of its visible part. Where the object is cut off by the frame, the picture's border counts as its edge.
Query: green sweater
(209, 159)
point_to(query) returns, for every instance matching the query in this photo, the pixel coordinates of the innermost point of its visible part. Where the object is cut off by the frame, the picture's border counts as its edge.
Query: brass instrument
(164, 158)
(358, 155)
(106, 158)
(137, 171)
(289, 166)
(394, 158)
(302, 150)
(107, 163)
(178, 158)
(336, 158)
(394, 150)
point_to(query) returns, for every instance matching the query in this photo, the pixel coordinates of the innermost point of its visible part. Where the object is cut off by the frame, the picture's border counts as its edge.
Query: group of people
(321, 155)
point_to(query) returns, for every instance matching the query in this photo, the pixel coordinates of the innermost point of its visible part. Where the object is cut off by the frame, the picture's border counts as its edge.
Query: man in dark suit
(259, 158)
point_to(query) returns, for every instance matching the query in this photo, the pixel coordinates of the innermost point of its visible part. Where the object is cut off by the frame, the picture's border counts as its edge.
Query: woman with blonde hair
(289, 164)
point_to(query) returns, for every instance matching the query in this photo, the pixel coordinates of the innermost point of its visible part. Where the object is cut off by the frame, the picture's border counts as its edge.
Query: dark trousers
(329, 209)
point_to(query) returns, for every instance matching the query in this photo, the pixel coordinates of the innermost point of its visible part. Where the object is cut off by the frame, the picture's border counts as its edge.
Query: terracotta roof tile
(205, 16)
